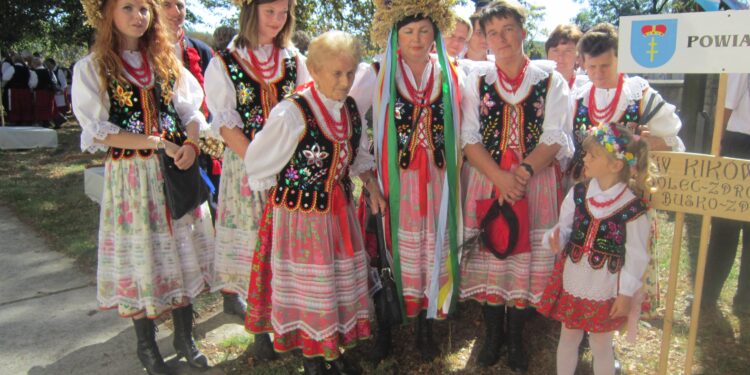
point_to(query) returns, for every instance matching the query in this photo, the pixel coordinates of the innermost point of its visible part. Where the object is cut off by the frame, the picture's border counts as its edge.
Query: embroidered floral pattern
(123, 96)
(245, 94)
(315, 156)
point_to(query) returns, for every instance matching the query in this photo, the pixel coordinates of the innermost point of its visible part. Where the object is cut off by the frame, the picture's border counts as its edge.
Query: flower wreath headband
(614, 141)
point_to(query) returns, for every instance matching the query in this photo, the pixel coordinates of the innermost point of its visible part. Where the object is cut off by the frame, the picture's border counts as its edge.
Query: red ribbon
(194, 66)
(339, 205)
(421, 164)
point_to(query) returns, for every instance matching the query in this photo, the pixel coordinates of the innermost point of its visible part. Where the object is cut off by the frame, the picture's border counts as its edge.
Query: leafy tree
(611, 10)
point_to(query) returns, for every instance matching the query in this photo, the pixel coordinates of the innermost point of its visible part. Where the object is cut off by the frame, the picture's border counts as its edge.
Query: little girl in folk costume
(603, 233)
(243, 83)
(132, 97)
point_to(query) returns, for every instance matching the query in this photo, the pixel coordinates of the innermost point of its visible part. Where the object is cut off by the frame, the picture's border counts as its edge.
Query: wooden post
(705, 225)
(674, 268)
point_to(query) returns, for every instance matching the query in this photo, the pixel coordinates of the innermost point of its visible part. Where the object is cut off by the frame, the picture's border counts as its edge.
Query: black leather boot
(426, 345)
(517, 359)
(313, 366)
(234, 305)
(342, 366)
(147, 350)
(262, 348)
(183, 338)
(494, 324)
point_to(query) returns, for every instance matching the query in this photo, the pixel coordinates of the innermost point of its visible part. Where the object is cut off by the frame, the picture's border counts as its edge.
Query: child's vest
(603, 238)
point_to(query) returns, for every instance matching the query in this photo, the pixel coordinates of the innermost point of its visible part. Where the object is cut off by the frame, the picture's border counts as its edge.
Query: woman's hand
(511, 189)
(185, 156)
(621, 307)
(170, 148)
(554, 241)
(378, 204)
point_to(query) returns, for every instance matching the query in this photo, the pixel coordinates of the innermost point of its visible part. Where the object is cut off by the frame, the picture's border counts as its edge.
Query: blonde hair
(639, 177)
(248, 34)
(332, 44)
(463, 21)
(155, 41)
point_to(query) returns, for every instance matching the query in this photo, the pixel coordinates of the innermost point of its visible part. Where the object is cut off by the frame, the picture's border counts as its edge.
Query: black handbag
(184, 190)
(387, 299)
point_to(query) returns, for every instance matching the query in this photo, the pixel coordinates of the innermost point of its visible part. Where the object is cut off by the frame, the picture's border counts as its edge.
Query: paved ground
(49, 322)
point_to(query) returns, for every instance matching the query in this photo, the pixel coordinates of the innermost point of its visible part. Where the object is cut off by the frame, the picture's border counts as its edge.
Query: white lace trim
(228, 118)
(263, 184)
(342, 327)
(470, 138)
(582, 281)
(560, 137)
(102, 130)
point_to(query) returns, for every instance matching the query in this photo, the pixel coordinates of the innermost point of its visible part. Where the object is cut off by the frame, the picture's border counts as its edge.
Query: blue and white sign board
(708, 42)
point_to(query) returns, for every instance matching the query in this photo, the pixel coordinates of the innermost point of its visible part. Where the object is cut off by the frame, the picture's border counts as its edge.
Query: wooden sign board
(702, 184)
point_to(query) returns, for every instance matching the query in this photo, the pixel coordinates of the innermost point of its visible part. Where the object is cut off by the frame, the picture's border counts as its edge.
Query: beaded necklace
(268, 72)
(598, 115)
(420, 98)
(606, 203)
(142, 74)
(339, 129)
(511, 85)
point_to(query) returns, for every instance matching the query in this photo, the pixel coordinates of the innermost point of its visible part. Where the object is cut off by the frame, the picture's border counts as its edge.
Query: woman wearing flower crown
(313, 141)
(602, 235)
(243, 83)
(132, 97)
(416, 119)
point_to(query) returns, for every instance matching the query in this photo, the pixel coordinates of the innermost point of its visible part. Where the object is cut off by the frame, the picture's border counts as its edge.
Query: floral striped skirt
(147, 262)
(237, 219)
(320, 299)
(518, 280)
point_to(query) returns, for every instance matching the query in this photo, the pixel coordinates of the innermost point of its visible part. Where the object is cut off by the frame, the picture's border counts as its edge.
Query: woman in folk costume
(243, 83)
(44, 93)
(512, 132)
(132, 97)
(416, 121)
(614, 97)
(602, 235)
(18, 80)
(313, 141)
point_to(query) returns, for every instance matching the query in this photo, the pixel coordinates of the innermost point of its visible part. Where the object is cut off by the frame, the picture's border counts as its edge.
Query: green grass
(44, 188)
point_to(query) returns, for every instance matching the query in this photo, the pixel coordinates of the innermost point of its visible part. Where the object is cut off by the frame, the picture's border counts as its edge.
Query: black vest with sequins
(406, 117)
(495, 113)
(306, 183)
(142, 111)
(603, 238)
(253, 103)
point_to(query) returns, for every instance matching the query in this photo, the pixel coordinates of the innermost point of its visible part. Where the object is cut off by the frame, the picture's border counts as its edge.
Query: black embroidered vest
(253, 103)
(44, 79)
(406, 117)
(604, 238)
(142, 111)
(307, 181)
(582, 123)
(495, 123)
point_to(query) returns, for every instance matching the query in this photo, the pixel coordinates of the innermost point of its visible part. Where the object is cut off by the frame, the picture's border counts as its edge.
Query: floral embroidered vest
(142, 111)
(603, 238)
(253, 103)
(495, 118)
(582, 123)
(406, 116)
(307, 181)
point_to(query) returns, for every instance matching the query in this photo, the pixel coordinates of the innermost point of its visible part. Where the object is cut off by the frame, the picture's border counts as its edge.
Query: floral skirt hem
(575, 312)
